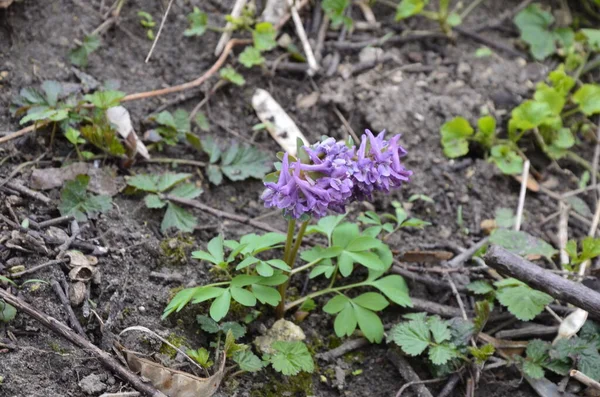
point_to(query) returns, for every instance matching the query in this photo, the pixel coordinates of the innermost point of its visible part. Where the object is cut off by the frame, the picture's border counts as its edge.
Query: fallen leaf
(532, 184)
(78, 259)
(426, 256)
(279, 124)
(505, 348)
(488, 226)
(119, 116)
(103, 181)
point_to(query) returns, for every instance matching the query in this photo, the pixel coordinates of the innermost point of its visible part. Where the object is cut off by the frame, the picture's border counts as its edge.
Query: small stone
(464, 199)
(463, 69)
(142, 309)
(282, 330)
(92, 384)
(340, 378)
(370, 54)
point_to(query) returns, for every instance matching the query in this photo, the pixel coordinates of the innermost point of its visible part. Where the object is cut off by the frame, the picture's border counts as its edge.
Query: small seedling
(147, 21)
(75, 201)
(79, 56)
(446, 18)
(160, 188)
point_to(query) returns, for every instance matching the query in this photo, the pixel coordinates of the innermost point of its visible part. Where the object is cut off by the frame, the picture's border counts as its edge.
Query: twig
(398, 269)
(64, 331)
(235, 12)
(310, 56)
(164, 160)
(38, 267)
(450, 386)
(583, 378)
(407, 372)
(234, 217)
(524, 178)
(346, 124)
(67, 305)
(488, 42)
(23, 131)
(162, 24)
(359, 45)
(55, 221)
(344, 348)
(421, 305)
(563, 233)
(461, 258)
(533, 275)
(420, 382)
(321, 38)
(503, 17)
(461, 305)
(527, 332)
(28, 192)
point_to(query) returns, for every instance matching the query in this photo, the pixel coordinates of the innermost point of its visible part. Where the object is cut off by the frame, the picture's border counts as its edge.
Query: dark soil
(35, 38)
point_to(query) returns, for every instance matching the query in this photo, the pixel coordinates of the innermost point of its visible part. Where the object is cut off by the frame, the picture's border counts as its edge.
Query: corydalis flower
(336, 175)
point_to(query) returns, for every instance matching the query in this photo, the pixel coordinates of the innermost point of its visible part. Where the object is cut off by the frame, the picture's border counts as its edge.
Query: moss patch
(300, 385)
(176, 341)
(176, 250)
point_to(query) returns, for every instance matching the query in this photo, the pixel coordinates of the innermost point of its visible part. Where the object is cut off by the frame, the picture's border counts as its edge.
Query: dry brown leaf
(77, 259)
(532, 184)
(488, 226)
(102, 180)
(119, 116)
(426, 256)
(176, 383)
(279, 124)
(505, 348)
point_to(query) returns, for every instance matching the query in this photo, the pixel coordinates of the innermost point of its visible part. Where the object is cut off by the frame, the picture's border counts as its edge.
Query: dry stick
(344, 348)
(563, 233)
(461, 258)
(450, 386)
(503, 17)
(21, 132)
(527, 332)
(55, 221)
(234, 217)
(162, 24)
(522, 193)
(407, 372)
(420, 382)
(28, 192)
(539, 278)
(411, 276)
(61, 329)
(38, 267)
(488, 42)
(583, 378)
(313, 66)
(67, 305)
(235, 12)
(346, 123)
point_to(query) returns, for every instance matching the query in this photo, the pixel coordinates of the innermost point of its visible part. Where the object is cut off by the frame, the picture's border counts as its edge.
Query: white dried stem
(313, 66)
(524, 178)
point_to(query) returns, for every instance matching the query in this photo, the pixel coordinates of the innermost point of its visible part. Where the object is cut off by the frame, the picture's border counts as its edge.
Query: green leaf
(533, 370)
(441, 354)
(486, 131)
(264, 36)
(186, 191)
(537, 350)
(412, 336)
(215, 248)
(579, 206)
(44, 113)
(408, 8)
(593, 37)
(241, 162)
(522, 301)
(291, 357)
(372, 301)
(168, 180)
(370, 323)
(480, 287)
(232, 76)
(530, 114)
(208, 324)
(243, 296)
(105, 99)
(506, 159)
(251, 56)
(236, 329)
(534, 25)
(75, 201)
(335, 10)
(522, 243)
(453, 19)
(73, 136)
(202, 122)
(549, 95)
(588, 98)
(266, 295)
(248, 361)
(7, 312)
(588, 362)
(483, 52)
(196, 295)
(220, 306)
(263, 269)
(198, 23)
(482, 353)
(179, 218)
(395, 288)
(147, 183)
(79, 55)
(326, 225)
(345, 322)
(439, 329)
(454, 136)
(153, 201)
(336, 304)
(362, 243)
(52, 89)
(201, 356)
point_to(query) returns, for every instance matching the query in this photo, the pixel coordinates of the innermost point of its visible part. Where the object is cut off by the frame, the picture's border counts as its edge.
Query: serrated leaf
(264, 36)
(522, 243)
(198, 23)
(534, 25)
(588, 99)
(251, 56)
(168, 180)
(186, 191)
(79, 56)
(335, 10)
(412, 336)
(579, 206)
(75, 201)
(105, 99)
(439, 329)
(441, 354)
(522, 301)
(232, 76)
(533, 370)
(248, 361)
(593, 37)
(236, 329)
(454, 137)
(179, 218)
(291, 357)
(7, 312)
(482, 353)
(208, 324)
(480, 287)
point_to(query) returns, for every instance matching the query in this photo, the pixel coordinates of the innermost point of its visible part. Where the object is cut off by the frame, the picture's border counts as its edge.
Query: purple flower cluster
(337, 175)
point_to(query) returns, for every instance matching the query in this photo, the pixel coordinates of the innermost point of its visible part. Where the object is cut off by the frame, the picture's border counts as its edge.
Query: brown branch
(558, 287)
(61, 329)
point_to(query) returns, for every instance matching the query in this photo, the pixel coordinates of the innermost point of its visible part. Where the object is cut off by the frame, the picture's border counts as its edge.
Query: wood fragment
(67, 306)
(344, 348)
(583, 378)
(28, 192)
(560, 288)
(407, 372)
(527, 332)
(61, 329)
(236, 11)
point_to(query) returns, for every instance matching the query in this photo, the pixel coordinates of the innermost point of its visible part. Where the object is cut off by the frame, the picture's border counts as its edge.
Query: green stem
(323, 292)
(298, 243)
(581, 161)
(570, 112)
(304, 267)
(280, 310)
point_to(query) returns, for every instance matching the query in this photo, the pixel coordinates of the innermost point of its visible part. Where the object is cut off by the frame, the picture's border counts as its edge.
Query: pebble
(92, 384)
(142, 309)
